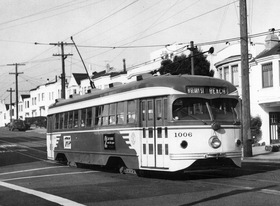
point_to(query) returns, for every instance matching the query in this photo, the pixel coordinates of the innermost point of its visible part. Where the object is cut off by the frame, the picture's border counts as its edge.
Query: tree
(182, 65)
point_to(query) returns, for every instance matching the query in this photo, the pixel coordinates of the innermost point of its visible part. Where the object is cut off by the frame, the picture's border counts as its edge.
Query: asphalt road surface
(28, 178)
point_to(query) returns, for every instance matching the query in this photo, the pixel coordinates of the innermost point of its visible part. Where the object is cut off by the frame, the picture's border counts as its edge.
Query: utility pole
(16, 74)
(63, 57)
(11, 102)
(192, 48)
(246, 116)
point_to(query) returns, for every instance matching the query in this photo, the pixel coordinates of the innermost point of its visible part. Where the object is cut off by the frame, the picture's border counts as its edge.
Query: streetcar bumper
(196, 156)
(194, 161)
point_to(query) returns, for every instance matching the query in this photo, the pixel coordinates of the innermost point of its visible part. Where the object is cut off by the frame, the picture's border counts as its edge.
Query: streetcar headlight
(215, 142)
(215, 126)
(184, 144)
(238, 142)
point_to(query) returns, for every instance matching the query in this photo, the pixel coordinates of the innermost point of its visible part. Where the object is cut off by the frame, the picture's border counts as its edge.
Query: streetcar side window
(88, 117)
(150, 110)
(65, 120)
(98, 115)
(61, 119)
(165, 108)
(143, 106)
(76, 118)
(131, 111)
(56, 121)
(112, 114)
(105, 114)
(158, 110)
(83, 117)
(120, 112)
(70, 119)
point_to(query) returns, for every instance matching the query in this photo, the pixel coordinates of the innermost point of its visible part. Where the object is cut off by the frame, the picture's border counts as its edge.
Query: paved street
(27, 178)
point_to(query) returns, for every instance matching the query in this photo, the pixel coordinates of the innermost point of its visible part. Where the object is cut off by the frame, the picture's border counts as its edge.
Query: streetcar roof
(174, 82)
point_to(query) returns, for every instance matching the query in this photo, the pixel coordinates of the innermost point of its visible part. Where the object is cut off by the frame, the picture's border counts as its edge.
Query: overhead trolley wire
(88, 27)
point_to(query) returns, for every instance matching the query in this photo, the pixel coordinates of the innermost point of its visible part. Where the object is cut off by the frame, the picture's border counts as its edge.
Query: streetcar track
(31, 170)
(253, 189)
(48, 175)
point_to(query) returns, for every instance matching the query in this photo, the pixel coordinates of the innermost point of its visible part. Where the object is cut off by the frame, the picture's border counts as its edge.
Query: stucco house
(264, 77)
(265, 89)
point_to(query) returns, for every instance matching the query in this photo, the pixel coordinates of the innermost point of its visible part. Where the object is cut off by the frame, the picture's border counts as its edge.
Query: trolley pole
(16, 74)
(11, 102)
(246, 116)
(63, 57)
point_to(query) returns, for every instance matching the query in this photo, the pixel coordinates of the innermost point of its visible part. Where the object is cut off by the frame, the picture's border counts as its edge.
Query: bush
(256, 131)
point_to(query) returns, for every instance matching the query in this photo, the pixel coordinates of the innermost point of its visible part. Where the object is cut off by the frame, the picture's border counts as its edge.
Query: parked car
(19, 125)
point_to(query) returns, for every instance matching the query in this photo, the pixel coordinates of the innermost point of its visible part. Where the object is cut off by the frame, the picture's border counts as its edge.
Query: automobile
(18, 125)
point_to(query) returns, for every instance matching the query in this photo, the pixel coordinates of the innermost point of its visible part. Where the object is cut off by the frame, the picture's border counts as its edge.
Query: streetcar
(162, 123)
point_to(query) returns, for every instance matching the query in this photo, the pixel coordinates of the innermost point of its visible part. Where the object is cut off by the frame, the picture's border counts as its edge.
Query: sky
(108, 31)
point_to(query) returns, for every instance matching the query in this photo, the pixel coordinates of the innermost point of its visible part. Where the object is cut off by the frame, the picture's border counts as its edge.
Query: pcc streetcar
(163, 123)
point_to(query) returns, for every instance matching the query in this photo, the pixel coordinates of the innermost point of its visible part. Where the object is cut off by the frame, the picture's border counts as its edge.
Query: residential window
(226, 73)
(235, 76)
(267, 75)
(221, 73)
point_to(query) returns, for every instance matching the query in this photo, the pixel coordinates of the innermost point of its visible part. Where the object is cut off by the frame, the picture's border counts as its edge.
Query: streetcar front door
(154, 151)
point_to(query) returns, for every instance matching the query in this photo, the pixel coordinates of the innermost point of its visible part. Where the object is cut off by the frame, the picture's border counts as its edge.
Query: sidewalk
(260, 155)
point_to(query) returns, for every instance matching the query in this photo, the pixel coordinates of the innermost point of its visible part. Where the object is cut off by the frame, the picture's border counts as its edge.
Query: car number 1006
(183, 134)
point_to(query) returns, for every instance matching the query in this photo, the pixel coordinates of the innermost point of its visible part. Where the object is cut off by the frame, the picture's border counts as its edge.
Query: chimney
(271, 41)
(124, 65)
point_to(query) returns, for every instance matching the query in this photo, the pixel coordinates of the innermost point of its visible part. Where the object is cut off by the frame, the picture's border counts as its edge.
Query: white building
(42, 97)
(74, 86)
(24, 106)
(264, 81)
(265, 89)
(4, 113)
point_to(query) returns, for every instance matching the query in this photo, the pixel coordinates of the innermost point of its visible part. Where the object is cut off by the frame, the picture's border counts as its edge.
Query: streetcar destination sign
(206, 90)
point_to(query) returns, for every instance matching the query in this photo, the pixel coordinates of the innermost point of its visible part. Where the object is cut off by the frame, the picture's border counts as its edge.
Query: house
(265, 89)
(74, 86)
(24, 106)
(264, 81)
(5, 113)
(227, 62)
(43, 96)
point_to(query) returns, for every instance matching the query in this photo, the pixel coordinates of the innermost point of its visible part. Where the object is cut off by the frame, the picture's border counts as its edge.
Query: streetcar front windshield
(199, 109)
